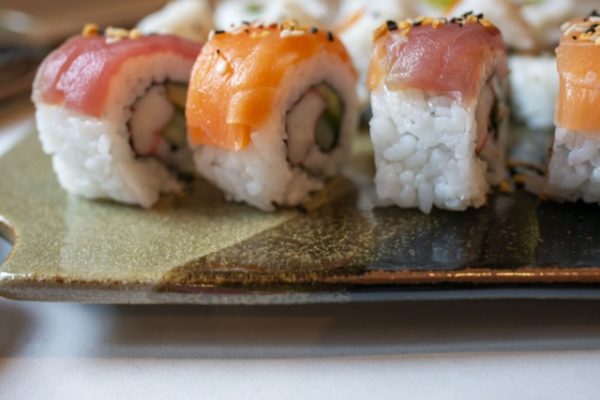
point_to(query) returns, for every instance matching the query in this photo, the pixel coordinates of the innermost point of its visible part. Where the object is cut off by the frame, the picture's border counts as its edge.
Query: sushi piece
(574, 170)
(544, 18)
(507, 15)
(189, 19)
(110, 111)
(533, 89)
(229, 13)
(358, 20)
(271, 112)
(438, 95)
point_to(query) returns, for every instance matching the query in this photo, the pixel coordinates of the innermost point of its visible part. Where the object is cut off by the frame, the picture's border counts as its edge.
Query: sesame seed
(219, 32)
(221, 67)
(391, 25)
(330, 36)
(314, 29)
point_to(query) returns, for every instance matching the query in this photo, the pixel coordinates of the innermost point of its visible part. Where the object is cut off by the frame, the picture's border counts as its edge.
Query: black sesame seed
(479, 16)
(465, 15)
(574, 37)
(330, 36)
(218, 51)
(246, 23)
(219, 32)
(417, 23)
(314, 29)
(391, 25)
(592, 28)
(594, 13)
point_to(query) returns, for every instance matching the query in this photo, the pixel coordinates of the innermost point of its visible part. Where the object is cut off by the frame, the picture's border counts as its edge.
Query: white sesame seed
(221, 67)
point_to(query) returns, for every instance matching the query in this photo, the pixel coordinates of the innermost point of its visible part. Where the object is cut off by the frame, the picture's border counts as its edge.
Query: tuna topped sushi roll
(110, 111)
(271, 112)
(439, 115)
(574, 171)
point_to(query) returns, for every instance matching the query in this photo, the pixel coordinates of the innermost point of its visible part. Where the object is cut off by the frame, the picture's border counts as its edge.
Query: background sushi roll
(271, 112)
(230, 13)
(358, 19)
(506, 15)
(109, 109)
(439, 112)
(356, 23)
(190, 19)
(533, 89)
(574, 170)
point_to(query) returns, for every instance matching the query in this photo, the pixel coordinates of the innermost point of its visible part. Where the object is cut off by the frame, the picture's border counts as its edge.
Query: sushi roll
(574, 170)
(110, 111)
(507, 15)
(190, 19)
(230, 13)
(533, 89)
(438, 95)
(271, 112)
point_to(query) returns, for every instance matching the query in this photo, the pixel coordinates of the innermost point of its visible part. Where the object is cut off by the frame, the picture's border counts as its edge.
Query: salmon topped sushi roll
(271, 112)
(574, 170)
(438, 95)
(110, 111)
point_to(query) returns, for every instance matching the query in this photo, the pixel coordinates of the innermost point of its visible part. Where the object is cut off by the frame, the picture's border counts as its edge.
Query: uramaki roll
(271, 112)
(574, 170)
(110, 111)
(438, 95)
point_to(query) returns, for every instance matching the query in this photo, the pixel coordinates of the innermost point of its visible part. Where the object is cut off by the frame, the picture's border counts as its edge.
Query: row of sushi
(268, 112)
(530, 30)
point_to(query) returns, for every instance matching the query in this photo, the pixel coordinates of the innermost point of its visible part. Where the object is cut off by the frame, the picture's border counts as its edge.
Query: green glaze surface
(198, 248)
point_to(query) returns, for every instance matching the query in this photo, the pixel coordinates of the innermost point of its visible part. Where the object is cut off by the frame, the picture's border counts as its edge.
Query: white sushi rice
(574, 170)
(534, 88)
(91, 156)
(190, 19)
(424, 149)
(261, 174)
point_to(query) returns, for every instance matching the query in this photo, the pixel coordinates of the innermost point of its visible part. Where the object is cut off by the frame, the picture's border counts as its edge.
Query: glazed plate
(197, 248)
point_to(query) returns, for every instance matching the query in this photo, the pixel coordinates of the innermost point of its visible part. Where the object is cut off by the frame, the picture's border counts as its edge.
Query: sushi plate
(197, 248)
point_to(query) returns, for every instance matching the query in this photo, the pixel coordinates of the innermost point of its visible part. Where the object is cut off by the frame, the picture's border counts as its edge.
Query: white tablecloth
(422, 350)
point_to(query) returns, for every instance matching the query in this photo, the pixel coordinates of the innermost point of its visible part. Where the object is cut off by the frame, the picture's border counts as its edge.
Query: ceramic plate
(198, 248)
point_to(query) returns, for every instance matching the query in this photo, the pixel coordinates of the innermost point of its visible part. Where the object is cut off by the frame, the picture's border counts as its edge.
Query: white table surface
(422, 350)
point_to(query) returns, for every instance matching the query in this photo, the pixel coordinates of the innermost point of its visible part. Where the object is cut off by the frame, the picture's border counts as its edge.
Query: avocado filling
(314, 123)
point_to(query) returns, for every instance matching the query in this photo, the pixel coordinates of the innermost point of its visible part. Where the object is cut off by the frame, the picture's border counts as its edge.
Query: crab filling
(157, 123)
(488, 117)
(314, 123)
